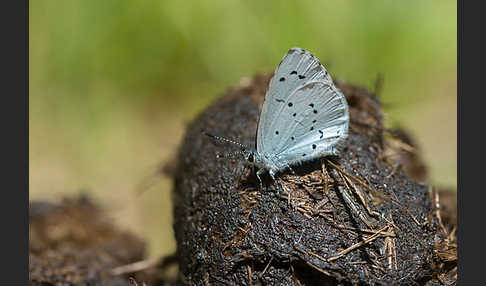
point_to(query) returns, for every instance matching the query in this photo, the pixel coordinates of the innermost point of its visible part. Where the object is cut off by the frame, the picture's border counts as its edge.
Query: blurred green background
(114, 83)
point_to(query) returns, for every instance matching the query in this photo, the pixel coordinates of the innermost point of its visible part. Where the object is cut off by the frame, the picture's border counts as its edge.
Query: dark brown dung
(354, 219)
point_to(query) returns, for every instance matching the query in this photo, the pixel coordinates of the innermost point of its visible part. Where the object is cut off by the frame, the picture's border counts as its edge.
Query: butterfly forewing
(297, 68)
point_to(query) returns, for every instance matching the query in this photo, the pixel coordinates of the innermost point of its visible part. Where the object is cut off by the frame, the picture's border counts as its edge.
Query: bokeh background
(114, 83)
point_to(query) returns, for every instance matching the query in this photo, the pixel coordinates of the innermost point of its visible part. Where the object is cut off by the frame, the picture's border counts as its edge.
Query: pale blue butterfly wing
(312, 125)
(296, 68)
(303, 116)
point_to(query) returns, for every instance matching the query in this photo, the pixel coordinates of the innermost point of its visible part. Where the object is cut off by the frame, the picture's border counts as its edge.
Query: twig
(384, 233)
(363, 200)
(437, 209)
(318, 269)
(383, 196)
(326, 177)
(135, 267)
(249, 275)
(391, 250)
(266, 267)
(356, 245)
(354, 207)
(317, 255)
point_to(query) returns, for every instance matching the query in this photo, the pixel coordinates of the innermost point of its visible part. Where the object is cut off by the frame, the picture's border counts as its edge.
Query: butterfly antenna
(231, 155)
(228, 141)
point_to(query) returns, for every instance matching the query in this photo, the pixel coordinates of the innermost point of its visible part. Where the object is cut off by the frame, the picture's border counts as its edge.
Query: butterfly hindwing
(315, 119)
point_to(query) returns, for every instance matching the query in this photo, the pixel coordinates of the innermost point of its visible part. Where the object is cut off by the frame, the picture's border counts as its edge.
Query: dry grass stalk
(357, 245)
(360, 182)
(249, 275)
(390, 249)
(361, 197)
(135, 267)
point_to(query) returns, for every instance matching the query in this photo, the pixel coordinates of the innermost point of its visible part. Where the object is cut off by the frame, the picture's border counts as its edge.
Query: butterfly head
(262, 163)
(254, 158)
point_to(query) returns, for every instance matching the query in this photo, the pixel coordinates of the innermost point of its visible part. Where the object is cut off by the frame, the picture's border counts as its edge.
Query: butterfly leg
(334, 151)
(258, 174)
(291, 170)
(272, 174)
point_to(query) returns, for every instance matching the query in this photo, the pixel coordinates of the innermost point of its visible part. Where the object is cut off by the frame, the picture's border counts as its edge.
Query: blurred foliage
(111, 82)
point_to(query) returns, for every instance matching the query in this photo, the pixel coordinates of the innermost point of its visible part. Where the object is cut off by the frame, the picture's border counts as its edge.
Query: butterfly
(304, 116)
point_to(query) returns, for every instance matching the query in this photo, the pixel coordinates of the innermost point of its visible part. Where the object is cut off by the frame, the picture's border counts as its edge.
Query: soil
(364, 217)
